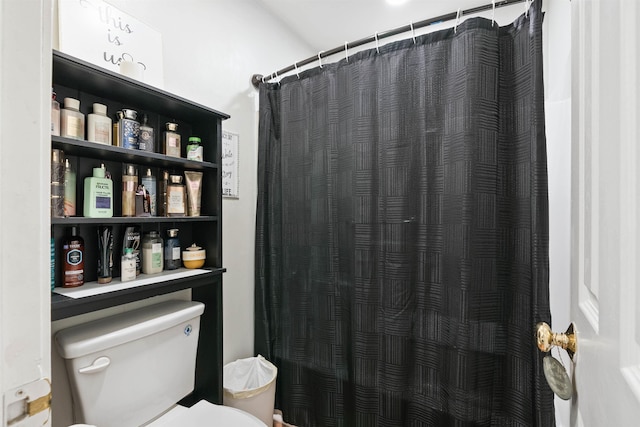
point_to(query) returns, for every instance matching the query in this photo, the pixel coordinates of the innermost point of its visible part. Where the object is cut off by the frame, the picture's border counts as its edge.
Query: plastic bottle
(98, 195)
(71, 119)
(128, 266)
(171, 145)
(176, 196)
(129, 187)
(73, 260)
(69, 189)
(149, 182)
(129, 129)
(147, 141)
(99, 125)
(194, 149)
(152, 248)
(172, 250)
(55, 115)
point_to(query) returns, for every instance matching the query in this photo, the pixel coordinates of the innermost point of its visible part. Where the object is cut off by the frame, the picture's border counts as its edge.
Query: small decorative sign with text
(230, 165)
(97, 32)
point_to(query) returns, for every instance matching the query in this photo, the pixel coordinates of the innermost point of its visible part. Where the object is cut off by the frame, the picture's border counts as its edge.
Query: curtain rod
(257, 78)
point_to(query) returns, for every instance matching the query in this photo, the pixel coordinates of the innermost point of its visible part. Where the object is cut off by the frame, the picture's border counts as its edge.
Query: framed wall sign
(99, 33)
(230, 165)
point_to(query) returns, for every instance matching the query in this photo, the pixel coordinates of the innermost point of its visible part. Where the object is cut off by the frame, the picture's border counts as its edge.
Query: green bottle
(98, 195)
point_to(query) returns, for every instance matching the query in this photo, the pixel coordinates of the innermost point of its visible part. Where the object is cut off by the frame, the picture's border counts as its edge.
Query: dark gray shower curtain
(402, 233)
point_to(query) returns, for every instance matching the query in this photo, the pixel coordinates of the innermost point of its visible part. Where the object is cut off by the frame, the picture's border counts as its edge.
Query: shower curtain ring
(493, 13)
(278, 80)
(320, 57)
(377, 46)
(527, 5)
(346, 51)
(413, 32)
(458, 15)
(297, 73)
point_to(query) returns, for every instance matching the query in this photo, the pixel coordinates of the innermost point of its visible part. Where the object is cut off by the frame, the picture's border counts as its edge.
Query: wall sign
(97, 32)
(230, 165)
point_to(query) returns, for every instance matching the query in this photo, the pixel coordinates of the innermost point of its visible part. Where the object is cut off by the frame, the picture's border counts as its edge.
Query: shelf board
(85, 77)
(63, 306)
(97, 151)
(79, 220)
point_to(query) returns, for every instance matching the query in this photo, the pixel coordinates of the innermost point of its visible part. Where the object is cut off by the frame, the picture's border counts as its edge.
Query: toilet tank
(128, 368)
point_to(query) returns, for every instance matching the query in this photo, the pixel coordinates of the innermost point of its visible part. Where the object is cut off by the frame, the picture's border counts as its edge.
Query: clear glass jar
(152, 253)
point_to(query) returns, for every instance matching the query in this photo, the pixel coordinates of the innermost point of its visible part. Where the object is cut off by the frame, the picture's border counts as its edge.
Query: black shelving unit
(89, 84)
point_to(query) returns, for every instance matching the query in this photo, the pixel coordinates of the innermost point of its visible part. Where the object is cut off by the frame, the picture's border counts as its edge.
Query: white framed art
(230, 165)
(99, 33)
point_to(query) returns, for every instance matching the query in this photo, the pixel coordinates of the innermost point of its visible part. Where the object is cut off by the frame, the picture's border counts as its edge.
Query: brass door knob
(546, 339)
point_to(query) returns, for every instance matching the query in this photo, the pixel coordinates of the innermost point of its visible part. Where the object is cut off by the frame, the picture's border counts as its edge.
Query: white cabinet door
(25, 93)
(605, 288)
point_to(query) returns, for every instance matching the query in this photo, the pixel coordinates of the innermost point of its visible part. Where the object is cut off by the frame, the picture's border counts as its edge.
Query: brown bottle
(73, 260)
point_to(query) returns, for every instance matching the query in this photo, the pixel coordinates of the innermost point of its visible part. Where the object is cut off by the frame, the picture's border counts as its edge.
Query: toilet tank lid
(108, 332)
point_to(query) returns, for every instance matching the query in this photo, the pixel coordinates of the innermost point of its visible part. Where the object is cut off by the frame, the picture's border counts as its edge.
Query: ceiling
(326, 24)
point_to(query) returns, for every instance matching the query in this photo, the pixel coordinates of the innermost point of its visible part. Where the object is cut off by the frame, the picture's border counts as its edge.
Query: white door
(605, 280)
(25, 88)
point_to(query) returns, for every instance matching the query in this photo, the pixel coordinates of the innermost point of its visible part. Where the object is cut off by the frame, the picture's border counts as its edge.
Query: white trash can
(250, 385)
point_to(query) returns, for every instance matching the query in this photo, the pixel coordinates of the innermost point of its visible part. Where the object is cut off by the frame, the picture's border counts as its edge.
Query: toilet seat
(204, 414)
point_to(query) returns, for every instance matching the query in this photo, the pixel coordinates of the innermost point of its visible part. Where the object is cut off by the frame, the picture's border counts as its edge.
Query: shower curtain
(402, 233)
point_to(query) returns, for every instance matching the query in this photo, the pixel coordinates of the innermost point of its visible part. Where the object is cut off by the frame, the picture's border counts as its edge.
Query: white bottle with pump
(99, 125)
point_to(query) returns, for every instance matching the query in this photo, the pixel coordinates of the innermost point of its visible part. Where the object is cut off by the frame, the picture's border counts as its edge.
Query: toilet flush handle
(98, 365)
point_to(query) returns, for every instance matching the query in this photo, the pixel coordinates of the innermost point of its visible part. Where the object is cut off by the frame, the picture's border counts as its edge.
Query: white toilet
(131, 369)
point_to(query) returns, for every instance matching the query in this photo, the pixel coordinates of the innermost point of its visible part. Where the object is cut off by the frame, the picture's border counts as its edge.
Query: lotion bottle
(71, 119)
(99, 126)
(98, 195)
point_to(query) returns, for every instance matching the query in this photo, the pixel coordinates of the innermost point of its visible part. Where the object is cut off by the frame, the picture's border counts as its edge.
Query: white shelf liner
(95, 288)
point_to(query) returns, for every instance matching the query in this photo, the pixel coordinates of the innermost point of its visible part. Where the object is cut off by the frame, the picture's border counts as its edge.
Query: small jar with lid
(152, 253)
(171, 144)
(194, 149)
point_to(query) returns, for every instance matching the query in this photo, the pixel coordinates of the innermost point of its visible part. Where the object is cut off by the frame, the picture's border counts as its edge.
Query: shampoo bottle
(98, 195)
(73, 260)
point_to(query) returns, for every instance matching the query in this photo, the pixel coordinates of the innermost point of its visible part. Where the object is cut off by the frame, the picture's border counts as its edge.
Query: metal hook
(346, 50)
(296, 66)
(527, 5)
(458, 15)
(377, 46)
(263, 79)
(493, 13)
(413, 32)
(320, 58)
(278, 80)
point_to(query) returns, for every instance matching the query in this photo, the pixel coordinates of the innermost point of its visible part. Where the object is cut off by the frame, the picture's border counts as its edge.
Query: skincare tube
(105, 250)
(194, 192)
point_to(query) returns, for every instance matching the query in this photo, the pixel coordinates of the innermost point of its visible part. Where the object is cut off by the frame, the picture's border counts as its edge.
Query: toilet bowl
(131, 369)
